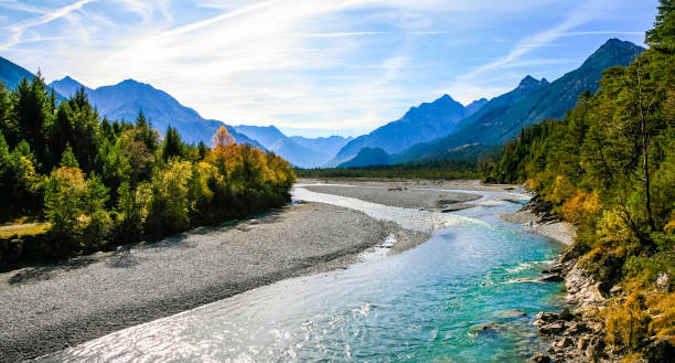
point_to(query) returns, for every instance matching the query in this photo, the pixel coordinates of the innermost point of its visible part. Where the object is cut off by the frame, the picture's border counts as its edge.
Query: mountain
(502, 118)
(367, 157)
(266, 135)
(124, 100)
(474, 106)
(299, 151)
(426, 122)
(328, 147)
(67, 87)
(11, 74)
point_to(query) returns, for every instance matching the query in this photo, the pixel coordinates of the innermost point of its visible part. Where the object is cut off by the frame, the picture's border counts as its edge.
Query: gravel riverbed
(46, 309)
(401, 196)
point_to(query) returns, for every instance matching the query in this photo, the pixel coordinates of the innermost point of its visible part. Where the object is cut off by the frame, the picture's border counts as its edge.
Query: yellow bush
(662, 307)
(562, 190)
(612, 227)
(538, 181)
(21, 230)
(670, 227)
(633, 358)
(580, 207)
(626, 323)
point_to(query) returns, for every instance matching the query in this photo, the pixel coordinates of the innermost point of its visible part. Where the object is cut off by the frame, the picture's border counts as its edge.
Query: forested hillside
(98, 184)
(609, 168)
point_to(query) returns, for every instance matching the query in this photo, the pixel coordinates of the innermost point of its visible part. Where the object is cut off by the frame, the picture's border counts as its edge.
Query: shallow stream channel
(468, 294)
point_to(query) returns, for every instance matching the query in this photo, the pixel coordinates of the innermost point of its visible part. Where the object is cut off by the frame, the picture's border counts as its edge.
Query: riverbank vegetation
(609, 168)
(99, 184)
(441, 169)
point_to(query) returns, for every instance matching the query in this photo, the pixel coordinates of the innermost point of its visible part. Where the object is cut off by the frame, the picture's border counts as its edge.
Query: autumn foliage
(101, 184)
(609, 168)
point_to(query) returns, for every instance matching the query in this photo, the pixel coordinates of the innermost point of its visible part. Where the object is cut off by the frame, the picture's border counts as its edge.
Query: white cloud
(326, 64)
(19, 29)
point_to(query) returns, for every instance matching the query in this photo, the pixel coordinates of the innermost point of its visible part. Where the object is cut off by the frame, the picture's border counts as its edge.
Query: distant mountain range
(124, 100)
(501, 119)
(442, 129)
(300, 151)
(425, 122)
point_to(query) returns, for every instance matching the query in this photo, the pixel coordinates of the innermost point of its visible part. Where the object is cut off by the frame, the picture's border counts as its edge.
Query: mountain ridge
(300, 151)
(11, 75)
(425, 122)
(124, 100)
(501, 119)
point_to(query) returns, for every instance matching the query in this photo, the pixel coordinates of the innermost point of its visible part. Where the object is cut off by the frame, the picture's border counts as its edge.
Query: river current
(466, 295)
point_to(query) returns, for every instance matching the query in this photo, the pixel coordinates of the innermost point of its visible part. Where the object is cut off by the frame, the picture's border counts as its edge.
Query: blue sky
(314, 67)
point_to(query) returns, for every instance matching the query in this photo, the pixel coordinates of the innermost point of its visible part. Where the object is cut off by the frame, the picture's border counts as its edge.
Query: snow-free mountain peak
(67, 86)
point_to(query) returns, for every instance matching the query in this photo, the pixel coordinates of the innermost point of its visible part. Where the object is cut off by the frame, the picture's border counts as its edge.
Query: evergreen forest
(90, 183)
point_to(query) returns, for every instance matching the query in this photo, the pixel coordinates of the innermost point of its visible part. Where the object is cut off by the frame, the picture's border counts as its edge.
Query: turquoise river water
(459, 297)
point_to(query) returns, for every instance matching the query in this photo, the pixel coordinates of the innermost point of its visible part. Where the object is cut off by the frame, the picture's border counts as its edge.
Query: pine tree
(173, 145)
(202, 150)
(8, 123)
(68, 158)
(145, 133)
(4, 172)
(32, 113)
(662, 37)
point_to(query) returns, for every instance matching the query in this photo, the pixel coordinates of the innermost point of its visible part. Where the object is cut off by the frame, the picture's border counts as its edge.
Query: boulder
(547, 316)
(560, 344)
(541, 358)
(551, 278)
(553, 328)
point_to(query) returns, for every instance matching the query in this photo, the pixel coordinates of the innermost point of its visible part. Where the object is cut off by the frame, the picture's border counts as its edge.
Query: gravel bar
(400, 196)
(46, 309)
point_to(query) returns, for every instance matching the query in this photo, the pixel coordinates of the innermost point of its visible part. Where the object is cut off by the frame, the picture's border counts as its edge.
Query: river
(466, 295)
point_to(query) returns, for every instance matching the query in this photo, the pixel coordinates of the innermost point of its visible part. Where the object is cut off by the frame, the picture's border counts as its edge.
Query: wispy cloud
(335, 35)
(602, 33)
(19, 6)
(329, 64)
(228, 15)
(19, 29)
(576, 17)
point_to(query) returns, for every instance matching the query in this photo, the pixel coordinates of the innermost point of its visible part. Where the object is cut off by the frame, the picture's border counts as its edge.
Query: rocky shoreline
(575, 334)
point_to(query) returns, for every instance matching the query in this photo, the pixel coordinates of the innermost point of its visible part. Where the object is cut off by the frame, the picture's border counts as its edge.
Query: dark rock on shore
(551, 278)
(660, 350)
(541, 358)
